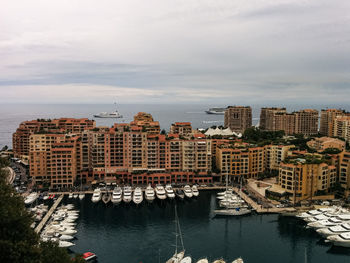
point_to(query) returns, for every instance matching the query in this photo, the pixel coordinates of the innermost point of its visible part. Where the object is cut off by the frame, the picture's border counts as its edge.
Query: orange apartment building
(238, 118)
(327, 119)
(181, 128)
(342, 127)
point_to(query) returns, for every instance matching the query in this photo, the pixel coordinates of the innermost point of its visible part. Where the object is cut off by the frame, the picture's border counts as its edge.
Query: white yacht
(160, 192)
(76, 195)
(149, 193)
(239, 211)
(31, 198)
(203, 260)
(117, 195)
(188, 191)
(186, 260)
(341, 240)
(169, 191)
(127, 194)
(81, 196)
(316, 218)
(334, 230)
(325, 223)
(96, 196)
(65, 244)
(114, 114)
(70, 195)
(238, 260)
(195, 191)
(138, 196)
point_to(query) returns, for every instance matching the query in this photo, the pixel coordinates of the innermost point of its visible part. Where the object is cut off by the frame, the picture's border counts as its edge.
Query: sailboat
(178, 256)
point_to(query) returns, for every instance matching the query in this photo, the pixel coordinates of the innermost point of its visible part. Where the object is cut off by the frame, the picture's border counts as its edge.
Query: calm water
(11, 115)
(127, 233)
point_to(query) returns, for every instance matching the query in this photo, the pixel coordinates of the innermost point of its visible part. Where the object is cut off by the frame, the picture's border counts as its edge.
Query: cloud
(175, 51)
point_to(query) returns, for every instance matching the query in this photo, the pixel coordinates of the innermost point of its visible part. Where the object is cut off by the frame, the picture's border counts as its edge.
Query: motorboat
(149, 193)
(81, 196)
(325, 223)
(238, 260)
(160, 192)
(89, 256)
(203, 260)
(219, 261)
(65, 244)
(188, 191)
(106, 197)
(75, 195)
(117, 195)
(169, 191)
(239, 211)
(127, 194)
(316, 218)
(186, 260)
(341, 240)
(31, 198)
(138, 196)
(180, 194)
(70, 196)
(195, 191)
(114, 114)
(96, 196)
(334, 230)
(65, 237)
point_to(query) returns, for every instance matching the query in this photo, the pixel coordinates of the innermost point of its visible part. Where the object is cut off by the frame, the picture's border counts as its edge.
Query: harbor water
(145, 233)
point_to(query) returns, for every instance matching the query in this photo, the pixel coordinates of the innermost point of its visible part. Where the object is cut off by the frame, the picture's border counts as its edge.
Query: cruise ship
(114, 114)
(219, 111)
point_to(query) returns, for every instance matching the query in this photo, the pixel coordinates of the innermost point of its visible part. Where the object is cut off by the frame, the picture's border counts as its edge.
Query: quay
(259, 208)
(48, 215)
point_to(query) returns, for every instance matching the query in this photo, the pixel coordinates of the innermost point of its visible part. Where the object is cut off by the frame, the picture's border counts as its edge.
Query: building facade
(238, 118)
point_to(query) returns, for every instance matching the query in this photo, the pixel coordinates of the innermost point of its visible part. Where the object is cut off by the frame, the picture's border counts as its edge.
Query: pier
(48, 215)
(259, 208)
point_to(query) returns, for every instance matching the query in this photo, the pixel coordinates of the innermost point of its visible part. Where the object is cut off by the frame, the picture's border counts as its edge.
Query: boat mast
(176, 234)
(180, 233)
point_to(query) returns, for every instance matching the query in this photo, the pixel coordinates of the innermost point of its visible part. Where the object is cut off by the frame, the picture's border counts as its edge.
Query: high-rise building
(268, 119)
(328, 117)
(306, 122)
(238, 118)
(181, 128)
(342, 127)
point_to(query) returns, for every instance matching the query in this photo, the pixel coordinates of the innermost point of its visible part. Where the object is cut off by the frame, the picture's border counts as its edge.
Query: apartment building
(268, 119)
(275, 154)
(20, 139)
(344, 171)
(306, 122)
(323, 143)
(238, 118)
(303, 180)
(237, 163)
(181, 128)
(342, 127)
(327, 119)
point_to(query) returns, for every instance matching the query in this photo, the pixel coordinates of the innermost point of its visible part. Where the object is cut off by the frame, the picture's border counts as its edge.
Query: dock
(48, 215)
(259, 208)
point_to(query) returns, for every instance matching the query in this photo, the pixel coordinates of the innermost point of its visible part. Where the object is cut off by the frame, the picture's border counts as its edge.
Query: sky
(175, 51)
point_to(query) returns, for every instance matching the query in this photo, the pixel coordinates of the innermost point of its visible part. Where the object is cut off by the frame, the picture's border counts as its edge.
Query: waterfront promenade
(48, 215)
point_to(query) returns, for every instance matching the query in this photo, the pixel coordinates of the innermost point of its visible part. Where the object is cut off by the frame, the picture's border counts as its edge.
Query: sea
(11, 115)
(146, 233)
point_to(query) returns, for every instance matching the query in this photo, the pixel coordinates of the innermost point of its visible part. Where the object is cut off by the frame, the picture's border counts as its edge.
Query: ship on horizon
(218, 111)
(114, 114)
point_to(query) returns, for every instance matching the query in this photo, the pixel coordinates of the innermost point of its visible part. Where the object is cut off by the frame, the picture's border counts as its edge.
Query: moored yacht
(169, 191)
(160, 192)
(81, 196)
(106, 197)
(180, 194)
(334, 230)
(138, 196)
(195, 191)
(325, 223)
(31, 198)
(188, 191)
(96, 196)
(117, 195)
(149, 193)
(127, 194)
(341, 240)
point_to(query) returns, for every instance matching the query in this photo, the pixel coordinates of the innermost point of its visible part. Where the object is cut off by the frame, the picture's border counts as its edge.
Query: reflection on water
(128, 233)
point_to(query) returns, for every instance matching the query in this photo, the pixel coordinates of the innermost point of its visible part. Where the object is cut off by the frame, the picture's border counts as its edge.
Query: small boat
(31, 198)
(138, 196)
(96, 196)
(238, 260)
(169, 191)
(195, 191)
(150, 194)
(89, 256)
(81, 196)
(180, 194)
(203, 260)
(127, 194)
(160, 192)
(65, 244)
(219, 261)
(75, 195)
(70, 195)
(106, 197)
(65, 237)
(233, 212)
(117, 195)
(188, 191)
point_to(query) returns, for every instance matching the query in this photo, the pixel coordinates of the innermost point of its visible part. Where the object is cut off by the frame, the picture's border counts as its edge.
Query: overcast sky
(189, 51)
